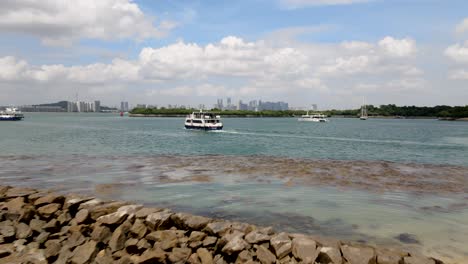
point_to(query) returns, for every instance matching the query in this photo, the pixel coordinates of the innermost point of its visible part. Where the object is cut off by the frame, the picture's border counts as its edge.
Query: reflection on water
(423, 207)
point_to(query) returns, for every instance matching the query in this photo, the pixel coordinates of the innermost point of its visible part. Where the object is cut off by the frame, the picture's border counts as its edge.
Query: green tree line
(444, 111)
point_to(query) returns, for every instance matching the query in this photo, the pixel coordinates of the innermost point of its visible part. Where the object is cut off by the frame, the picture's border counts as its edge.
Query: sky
(333, 53)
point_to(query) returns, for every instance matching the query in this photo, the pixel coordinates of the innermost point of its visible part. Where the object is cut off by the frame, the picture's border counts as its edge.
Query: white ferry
(313, 118)
(11, 114)
(203, 120)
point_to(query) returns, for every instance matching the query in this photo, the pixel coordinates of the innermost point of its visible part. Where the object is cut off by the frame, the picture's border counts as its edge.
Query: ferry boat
(313, 118)
(11, 114)
(204, 121)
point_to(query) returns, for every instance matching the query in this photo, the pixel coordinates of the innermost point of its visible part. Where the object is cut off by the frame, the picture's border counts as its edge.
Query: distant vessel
(204, 121)
(11, 114)
(363, 113)
(313, 118)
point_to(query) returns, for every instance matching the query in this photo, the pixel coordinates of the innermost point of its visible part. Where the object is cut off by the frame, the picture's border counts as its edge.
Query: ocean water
(378, 181)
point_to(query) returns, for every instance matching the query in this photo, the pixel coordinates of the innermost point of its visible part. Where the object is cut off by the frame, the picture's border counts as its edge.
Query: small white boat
(11, 114)
(313, 118)
(204, 121)
(364, 115)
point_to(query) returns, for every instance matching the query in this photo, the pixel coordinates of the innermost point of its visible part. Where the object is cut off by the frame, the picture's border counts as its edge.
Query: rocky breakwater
(45, 227)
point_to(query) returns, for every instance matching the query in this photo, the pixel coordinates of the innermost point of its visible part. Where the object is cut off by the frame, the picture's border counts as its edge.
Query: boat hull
(203, 127)
(13, 118)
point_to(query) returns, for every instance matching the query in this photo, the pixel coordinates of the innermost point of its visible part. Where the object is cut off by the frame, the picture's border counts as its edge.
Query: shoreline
(43, 227)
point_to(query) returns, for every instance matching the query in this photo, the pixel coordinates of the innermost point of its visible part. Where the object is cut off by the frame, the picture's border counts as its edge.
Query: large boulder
(154, 255)
(18, 192)
(236, 244)
(191, 222)
(23, 231)
(159, 220)
(47, 211)
(358, 255)
(139, 228)
(85, 253)
(255, 237)
(7, 230)
(179, 255)
(205, 256)
(48, 199)
(265, 256)
(305, 249)
(418, 260)
(117, 241)
(101, 234)
(116, 218)
(281, 244)
(218, 228)
(330, 255)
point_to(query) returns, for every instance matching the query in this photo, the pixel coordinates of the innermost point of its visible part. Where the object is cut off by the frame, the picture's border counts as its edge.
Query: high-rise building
(219, 104)
(124, 106)
(97, 106)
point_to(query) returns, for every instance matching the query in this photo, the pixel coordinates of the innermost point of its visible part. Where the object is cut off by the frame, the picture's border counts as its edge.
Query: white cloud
(230, 67)
(305, 3)
(398, 47)
(458, 52)
(459, 74)
(462, 27)
(61, 22)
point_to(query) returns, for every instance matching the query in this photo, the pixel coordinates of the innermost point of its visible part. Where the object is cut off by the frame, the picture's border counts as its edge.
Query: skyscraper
(97, 106)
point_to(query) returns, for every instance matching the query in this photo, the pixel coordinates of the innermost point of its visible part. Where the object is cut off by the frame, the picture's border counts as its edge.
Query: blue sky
(191, 52)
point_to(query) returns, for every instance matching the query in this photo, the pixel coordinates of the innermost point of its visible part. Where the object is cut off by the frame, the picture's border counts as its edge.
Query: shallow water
(385, 182)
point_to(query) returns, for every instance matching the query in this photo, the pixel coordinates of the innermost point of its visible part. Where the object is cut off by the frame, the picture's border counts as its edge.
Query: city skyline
(329, 52)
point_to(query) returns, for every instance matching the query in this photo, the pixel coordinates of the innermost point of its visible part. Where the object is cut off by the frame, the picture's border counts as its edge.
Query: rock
(89, 203)
(244, 257)
(418, 260)
(101, 234)
(64, 255)
(64, 218)
(48, 199)
(159, 220)
(117, 241)
(330, 255)
(51, 226)
(126, 211)
(103, 258)
(73, 202)
(167, 238)
(180, 255)
(74, 240)
(218, 228)
(191, 222)
(82, 216)
(23, 231)
(42, 237)
(194, 259)
(85, 253)
(19, 245)
(139, 228)
(267, 230)
(52, 248)
(358, 255)
(143, 244)
(47, 211)
(390, 256)
(36, 225)
(305, 249)
(6, 250)
(131, 246)
(104, 209)
(27, 214)
(155, 255)
(18, 192)
(7, 229)
(325, 241)
(144, 212)
(255, 237)
(235, 245)
(281, 244)
(15, 205)
(218, 259)
(205, 256)
(265, 256)
(242, 227)
(196, 236)
(209, 241)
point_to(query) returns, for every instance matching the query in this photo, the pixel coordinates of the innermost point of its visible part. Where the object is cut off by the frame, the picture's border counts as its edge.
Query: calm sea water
(110, 156)
(425, 141)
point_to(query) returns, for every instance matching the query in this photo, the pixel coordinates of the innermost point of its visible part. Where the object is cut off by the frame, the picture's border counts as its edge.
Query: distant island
(443, 112)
